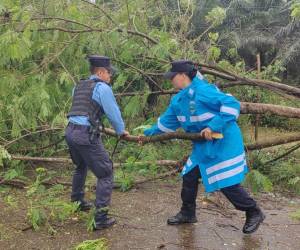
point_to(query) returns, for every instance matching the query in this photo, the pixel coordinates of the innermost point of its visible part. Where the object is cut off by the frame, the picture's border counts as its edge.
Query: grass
(99, 244)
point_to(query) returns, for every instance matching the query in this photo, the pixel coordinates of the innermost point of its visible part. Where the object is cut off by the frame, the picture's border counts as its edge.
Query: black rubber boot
(102, 220)
(181, 218)
(84, 205)
(253, 219)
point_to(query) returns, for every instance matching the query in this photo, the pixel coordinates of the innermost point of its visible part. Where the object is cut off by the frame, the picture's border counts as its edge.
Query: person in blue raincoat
(202, 107)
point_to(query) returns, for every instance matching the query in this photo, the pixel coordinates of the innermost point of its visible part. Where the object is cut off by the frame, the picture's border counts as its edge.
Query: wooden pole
(257, 116)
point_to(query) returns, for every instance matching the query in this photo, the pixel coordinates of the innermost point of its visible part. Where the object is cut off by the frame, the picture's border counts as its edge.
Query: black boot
(84, 205)
(253, 219)
(181, 218)
(102, 221)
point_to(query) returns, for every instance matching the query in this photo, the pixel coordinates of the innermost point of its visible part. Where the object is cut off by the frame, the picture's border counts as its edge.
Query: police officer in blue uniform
(220, 161)
(92, 99)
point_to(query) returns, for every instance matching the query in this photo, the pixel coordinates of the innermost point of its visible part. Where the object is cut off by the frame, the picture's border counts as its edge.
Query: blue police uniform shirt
(104, 96)
(222, 162)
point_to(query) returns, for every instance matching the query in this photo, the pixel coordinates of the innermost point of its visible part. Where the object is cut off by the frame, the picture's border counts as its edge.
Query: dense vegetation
(43, 50)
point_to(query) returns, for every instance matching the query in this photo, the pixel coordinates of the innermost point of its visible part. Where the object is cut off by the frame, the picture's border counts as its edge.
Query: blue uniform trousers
(236, 194)
(87, 152)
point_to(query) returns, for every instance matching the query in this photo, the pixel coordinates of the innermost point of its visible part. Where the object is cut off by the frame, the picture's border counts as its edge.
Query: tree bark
(22, 184)
(274, 142)
(253, 146)
(288, 89)
(262, 108)
(64, 160)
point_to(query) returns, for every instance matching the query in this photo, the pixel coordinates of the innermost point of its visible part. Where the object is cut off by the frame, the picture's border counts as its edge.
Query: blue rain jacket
(222, 162)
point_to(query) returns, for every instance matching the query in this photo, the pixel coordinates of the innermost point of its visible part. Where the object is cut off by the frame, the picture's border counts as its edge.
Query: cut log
(262, 108)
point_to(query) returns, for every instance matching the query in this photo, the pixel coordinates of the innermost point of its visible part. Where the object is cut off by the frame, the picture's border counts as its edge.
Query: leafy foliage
(287, 174)
(43, 49)
(258, 182)
(90, 220)
(295, 215)
(99, 244)
(4, 155)
(45, 205)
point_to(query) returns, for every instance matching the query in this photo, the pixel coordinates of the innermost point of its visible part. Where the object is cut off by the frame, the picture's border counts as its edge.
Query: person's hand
(207, 134)
(125, 133)
(140, 140)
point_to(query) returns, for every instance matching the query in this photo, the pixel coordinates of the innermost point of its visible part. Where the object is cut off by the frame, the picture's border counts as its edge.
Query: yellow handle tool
(217, 135)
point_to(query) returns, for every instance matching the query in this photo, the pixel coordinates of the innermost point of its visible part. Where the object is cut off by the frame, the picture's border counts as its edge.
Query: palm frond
(258, 42)
(291, 54)
(288, 30)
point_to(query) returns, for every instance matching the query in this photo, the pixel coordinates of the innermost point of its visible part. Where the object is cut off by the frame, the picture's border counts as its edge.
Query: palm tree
(254, 27)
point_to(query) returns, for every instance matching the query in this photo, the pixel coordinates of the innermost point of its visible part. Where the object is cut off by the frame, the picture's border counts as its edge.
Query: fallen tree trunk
(219, 85)
(14, 183)
(22, 184)
(228, 75)
(41, 159)
(246, 108)
(249, 147)
(274, 142)
(69, 161)
(236, 80)
(261, 108)
(156, 138)
(196, 136)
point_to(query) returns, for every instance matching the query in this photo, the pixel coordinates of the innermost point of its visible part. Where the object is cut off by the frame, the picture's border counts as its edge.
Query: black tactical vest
(83, 104)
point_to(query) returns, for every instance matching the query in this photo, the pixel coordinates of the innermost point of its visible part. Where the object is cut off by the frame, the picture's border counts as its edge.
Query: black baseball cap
(180, 66)
(101, 61)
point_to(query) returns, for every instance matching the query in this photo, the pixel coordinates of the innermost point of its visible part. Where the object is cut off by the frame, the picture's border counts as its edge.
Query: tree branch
(61, 19)
(264, 83)
(22, 184)
(273, 142)
(240, 80)
(69, 161)
(252, 146)
(291, 150)
(7, 145)
(246, 108)
(132, 32)
(102, 10)
(141, 72)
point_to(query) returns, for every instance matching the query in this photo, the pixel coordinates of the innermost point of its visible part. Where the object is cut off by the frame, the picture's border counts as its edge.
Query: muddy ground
(142, 213)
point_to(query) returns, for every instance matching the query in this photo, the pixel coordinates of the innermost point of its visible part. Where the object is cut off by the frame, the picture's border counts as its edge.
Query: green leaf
(36, 217)
(11, 174)
(258, 182)
(133, 107)
(4, 155)
(213, 36)
(142, 127)
(216, 16)
(295, 215)
(14, 46)
(295, 10)
(99, 244)
(214, 53)
(120, 81)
